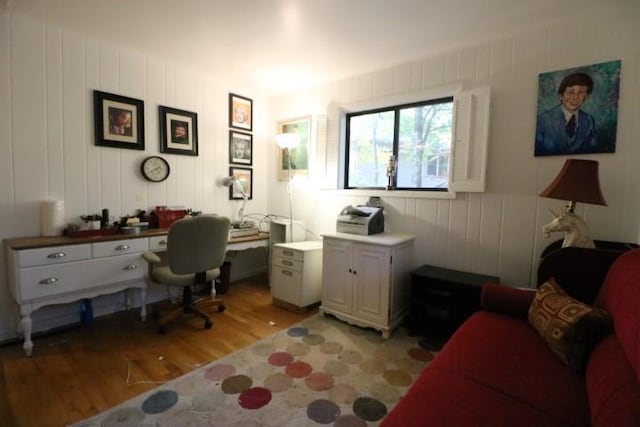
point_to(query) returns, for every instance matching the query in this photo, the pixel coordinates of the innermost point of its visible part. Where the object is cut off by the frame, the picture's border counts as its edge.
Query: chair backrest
(197, 244)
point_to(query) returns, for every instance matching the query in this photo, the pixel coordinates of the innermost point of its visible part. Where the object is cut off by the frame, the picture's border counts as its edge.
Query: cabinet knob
(286, 273)
(287, 253)
(289, 263)
(57, 255)
(131, 267)
(48, 281)
(162, 243)
(355, 272)
(122, 247)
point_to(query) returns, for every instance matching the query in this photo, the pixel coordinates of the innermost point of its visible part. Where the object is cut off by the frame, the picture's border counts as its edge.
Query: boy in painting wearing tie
(566, 129)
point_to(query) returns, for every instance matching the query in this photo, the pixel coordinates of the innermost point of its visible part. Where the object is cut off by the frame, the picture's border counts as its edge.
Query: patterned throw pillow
(569, 327)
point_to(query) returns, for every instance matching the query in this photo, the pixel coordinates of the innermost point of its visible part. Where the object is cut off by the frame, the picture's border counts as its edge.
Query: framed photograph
(119, 121)
(178, 131)
(245, 178)
(578, 110)
(240, 112)
(299, 155)
(240, 147)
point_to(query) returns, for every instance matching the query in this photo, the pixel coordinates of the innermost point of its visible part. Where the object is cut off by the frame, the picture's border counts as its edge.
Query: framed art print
(300, 154)
(240, 112)
(240, 147)
(119, 121)
(178, 131)
(578, 110)
(245, 177)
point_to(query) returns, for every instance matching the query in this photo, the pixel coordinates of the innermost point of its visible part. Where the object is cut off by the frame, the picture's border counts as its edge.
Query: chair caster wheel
(208, 324)
(221, 308)
(162, 330)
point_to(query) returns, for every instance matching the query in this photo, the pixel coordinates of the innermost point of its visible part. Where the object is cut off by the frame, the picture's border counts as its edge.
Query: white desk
(56, 270)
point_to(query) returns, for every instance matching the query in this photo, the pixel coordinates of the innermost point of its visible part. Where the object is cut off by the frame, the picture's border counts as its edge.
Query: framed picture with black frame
(118, 121)
(244, 176)
(178, 131)
(240, 112)
(240, 148)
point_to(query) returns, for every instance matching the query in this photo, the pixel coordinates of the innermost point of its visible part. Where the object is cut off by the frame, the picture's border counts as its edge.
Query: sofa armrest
(502, 299)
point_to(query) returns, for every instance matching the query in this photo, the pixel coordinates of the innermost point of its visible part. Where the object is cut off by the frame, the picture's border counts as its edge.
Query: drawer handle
(48, 281)
(122, 247)
(289, 263)
(131, 267)
(57, 255)
(287, 253)
(287, 273)
(162, 243)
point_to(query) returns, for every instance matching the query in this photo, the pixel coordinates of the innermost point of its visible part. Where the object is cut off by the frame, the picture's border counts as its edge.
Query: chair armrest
(151, 257)
(505, 300)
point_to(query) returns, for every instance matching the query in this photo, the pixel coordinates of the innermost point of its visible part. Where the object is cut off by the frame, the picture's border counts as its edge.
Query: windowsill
(402, 194)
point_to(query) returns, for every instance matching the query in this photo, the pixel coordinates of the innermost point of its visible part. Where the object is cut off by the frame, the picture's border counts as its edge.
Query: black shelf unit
(441, 299)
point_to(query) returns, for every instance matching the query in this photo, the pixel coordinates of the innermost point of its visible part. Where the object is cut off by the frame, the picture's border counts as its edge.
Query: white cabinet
(365, 279)
(57, 274)
(296, 268)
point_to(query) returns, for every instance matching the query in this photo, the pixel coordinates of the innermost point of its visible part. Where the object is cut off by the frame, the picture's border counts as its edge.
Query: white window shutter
(328, 147)
(470, 140)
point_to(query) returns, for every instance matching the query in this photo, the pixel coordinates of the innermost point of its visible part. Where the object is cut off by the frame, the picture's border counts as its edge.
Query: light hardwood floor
(80, 372)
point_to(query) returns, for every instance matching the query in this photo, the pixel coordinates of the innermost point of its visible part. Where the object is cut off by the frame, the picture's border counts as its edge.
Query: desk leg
(143, 304)
(25, 314)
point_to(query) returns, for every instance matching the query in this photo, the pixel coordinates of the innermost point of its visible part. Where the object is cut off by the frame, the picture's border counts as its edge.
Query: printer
(363, 220)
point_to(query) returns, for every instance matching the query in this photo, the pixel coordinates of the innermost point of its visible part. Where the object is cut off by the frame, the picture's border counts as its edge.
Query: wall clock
(155, 169)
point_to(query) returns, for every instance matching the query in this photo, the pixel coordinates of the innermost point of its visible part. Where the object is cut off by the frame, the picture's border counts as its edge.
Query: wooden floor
(82, 371)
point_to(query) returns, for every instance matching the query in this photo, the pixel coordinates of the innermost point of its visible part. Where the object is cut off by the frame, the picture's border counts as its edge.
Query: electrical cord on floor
(131, 381)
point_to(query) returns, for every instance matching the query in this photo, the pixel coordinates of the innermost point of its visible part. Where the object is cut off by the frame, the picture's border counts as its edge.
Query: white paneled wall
(47, 78)
(496, 232)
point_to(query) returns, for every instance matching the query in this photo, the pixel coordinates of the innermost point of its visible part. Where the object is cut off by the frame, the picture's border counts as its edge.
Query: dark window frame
(396, 143)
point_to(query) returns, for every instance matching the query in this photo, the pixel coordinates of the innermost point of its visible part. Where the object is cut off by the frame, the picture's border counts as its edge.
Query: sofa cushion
(612, 387)
(495, 369)
(570, 328)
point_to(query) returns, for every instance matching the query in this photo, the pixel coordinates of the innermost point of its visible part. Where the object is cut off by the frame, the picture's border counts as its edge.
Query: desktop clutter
(104, 225)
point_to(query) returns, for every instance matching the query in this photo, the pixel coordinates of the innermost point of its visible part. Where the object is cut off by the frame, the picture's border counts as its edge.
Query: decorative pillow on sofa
(569, 327)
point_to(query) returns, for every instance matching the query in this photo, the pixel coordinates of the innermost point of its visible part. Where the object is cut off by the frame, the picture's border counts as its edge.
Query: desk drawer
(120, 247)
(287, 263)
(158, 243)
(53, 255)
(37, 282)
(287, 253)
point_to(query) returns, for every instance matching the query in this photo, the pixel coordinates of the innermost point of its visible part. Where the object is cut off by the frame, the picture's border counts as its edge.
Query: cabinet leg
(25, 321)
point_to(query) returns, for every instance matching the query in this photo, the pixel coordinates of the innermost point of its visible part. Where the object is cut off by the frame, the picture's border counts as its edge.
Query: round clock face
(155, 169)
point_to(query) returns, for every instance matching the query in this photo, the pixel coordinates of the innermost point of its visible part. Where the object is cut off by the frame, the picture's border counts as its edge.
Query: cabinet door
(336, 275)
(371, 282)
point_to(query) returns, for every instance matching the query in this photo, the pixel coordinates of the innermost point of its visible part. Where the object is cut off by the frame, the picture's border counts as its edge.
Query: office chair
(195, 251)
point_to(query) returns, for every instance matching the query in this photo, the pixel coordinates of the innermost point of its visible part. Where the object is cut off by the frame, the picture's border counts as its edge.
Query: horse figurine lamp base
(576, 231)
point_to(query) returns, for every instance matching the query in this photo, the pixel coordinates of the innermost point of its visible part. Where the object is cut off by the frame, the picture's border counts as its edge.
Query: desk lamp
(577, 182)
(288, 141)
(234, 181)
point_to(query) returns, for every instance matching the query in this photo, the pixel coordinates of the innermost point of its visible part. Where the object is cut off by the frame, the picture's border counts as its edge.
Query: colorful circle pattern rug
(320, 372)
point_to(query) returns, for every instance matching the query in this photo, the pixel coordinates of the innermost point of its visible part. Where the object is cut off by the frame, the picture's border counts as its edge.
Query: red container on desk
(163, 217)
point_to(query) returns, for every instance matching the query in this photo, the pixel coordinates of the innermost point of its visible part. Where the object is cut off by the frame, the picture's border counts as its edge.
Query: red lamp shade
(577, 182)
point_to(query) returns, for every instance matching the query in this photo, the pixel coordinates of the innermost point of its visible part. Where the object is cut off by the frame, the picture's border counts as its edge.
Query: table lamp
(577, 182)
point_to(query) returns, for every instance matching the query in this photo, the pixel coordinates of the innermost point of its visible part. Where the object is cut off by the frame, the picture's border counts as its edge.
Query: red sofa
(496, 370)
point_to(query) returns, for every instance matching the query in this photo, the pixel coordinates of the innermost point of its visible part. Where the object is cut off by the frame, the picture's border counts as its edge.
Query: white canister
(52, 217)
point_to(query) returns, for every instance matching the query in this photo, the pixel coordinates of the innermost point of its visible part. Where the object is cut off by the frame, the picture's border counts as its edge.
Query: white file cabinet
(296, 269)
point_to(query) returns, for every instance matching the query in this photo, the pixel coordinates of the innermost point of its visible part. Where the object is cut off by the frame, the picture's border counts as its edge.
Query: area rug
(319, 372)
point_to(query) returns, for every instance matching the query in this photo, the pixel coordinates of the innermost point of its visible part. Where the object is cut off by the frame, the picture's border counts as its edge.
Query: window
(404, 147)
(443, 162)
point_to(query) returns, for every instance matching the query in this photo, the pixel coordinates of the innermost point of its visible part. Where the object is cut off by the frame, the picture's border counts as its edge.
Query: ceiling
(281, 45)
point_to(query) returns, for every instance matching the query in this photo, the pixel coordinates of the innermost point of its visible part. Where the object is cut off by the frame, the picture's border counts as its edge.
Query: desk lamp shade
(577, 182)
